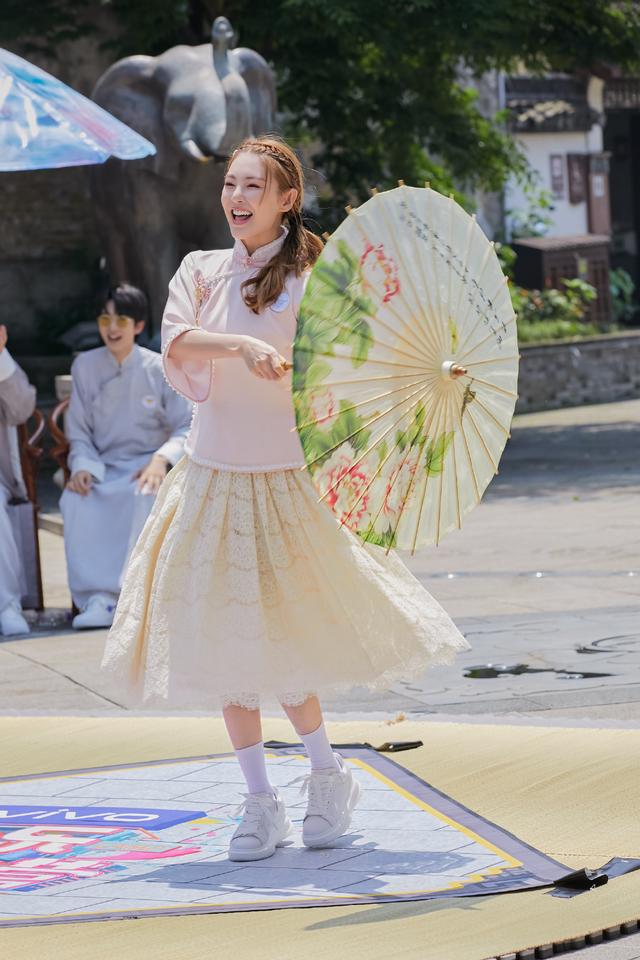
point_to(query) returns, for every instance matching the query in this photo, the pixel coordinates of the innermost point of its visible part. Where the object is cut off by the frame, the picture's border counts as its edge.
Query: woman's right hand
(262, 359)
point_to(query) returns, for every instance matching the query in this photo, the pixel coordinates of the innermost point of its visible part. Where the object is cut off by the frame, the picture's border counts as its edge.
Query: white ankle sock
(319, 749)
(254, 768)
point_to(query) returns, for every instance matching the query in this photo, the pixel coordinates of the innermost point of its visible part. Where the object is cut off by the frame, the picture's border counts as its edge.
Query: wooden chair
(60, 448)
(24, 513)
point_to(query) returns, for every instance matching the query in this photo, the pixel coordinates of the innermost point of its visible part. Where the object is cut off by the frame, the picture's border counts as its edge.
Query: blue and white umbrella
(45, 124)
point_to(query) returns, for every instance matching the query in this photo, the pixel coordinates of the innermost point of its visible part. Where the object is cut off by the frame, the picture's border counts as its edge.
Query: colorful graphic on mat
(152, 839)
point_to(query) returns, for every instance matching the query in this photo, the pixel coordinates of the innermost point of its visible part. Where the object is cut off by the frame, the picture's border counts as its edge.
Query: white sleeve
(190, 378)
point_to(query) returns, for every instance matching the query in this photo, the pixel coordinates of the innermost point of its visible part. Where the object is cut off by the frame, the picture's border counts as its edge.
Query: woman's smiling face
(252, 202)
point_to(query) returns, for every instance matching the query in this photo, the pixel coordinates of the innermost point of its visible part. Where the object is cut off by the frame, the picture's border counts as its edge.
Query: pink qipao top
(240, 421)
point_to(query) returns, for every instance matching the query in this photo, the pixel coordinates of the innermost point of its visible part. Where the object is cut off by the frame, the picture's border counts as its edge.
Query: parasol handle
(451, 369)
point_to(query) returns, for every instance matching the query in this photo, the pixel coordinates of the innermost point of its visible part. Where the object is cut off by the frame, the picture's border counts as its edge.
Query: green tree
(375, 85)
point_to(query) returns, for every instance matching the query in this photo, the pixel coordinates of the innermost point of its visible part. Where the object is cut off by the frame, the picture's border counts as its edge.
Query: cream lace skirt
(243, 587)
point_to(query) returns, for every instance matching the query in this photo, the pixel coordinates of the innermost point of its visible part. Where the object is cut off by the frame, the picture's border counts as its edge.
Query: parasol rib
(425, 435)
(472, 295)
(477, 363)
(362, 403)
(372, 523)
(372, 447)
(363, 427)
(403, 353)
(492, 386)
(426, 484)
(416, 330)
(477, 402)
(358, 380)
(450, 401)
(421, 329)
(471, 417)
(481, 318)
(468, 451)
(347, 356)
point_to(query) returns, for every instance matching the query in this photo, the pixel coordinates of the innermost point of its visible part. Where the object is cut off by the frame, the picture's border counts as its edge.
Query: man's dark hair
(129, 301)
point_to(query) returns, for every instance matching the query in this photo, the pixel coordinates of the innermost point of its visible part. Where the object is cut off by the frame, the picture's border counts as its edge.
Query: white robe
(118, 417)
(17, 402)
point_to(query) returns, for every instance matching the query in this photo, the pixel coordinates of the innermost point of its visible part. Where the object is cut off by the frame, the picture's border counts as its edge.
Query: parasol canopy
(407, 288)
(45, 124)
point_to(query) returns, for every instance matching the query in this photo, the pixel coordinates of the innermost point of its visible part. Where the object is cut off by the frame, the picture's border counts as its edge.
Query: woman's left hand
(150, 477)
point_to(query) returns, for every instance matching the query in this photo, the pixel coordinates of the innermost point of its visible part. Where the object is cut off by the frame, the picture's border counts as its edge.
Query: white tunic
(17, 401)
(118, 417)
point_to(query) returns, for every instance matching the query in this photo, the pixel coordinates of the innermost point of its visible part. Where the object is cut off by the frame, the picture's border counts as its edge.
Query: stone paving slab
(547, 563)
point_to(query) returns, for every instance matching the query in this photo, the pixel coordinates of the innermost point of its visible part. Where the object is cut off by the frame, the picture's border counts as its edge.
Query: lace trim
(235, 468)
(251, 701)
(242, 583)
(179, 333)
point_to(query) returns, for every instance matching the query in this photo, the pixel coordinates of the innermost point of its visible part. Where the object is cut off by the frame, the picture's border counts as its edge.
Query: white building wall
(567, 218)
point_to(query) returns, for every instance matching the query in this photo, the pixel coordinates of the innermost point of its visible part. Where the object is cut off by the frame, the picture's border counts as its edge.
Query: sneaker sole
(262, 853)
(343, 824)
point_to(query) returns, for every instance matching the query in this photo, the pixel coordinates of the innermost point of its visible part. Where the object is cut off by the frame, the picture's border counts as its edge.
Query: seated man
(17, 403)
(126, 427)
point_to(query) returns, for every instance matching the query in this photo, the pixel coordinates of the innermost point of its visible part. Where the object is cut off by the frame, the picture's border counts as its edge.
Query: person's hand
(150, 477)
(80, 482)
(3, 337)
(262, 359)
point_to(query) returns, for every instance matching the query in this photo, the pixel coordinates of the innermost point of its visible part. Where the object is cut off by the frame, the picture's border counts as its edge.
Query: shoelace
(251, 808)
(319, 787)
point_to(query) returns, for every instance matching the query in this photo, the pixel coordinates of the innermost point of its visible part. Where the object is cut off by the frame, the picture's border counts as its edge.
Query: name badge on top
(281, 303)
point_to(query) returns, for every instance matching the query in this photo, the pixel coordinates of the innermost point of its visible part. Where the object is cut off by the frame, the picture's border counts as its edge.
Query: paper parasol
(407, 286)
(45, 124)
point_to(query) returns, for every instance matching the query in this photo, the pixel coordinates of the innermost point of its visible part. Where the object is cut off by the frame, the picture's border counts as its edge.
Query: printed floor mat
(151, 839)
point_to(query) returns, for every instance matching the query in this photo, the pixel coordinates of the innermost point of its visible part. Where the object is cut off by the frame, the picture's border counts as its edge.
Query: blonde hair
(301, 247)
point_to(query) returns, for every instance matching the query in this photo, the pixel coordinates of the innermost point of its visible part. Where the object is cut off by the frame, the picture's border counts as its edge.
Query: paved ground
(544, 580)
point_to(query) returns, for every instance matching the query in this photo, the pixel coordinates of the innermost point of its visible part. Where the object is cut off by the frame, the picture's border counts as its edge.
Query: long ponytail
(301, 247)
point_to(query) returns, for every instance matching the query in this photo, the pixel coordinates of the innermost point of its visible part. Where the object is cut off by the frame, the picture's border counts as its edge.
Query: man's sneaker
(99, 612)
(333, 795)
(12, 622)
(265, 825)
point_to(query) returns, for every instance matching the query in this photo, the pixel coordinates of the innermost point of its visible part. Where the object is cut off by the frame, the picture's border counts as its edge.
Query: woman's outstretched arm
(261, 358)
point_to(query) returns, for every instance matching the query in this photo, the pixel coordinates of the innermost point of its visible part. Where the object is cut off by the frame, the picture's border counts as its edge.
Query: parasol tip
(401, 183)
(374, 191)
(349, 208)
(326, 236)
(427, 184)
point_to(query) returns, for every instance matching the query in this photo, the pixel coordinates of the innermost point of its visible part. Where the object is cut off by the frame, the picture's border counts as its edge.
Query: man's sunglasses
(105, 319)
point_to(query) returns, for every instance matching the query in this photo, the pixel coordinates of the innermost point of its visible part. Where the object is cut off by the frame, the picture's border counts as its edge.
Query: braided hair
(301, 247)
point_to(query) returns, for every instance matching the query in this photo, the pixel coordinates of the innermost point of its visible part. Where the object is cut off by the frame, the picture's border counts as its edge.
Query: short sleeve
(190, 378)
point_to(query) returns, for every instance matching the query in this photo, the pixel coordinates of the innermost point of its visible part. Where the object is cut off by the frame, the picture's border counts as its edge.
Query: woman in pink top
(242, 585)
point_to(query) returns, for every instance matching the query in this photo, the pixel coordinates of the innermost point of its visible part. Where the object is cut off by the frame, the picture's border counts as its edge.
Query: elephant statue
(195, 104)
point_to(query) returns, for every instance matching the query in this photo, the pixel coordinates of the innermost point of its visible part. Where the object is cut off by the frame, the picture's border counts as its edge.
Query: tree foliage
(375, 86)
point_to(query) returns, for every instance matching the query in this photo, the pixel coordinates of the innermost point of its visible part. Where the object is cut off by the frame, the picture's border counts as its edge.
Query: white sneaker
(99, 612)
(333, 795)
(12, 622)
(264, 826)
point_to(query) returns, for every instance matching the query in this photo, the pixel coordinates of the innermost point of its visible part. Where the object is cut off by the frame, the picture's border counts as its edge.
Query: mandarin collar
(260, 256)
(129, 360)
